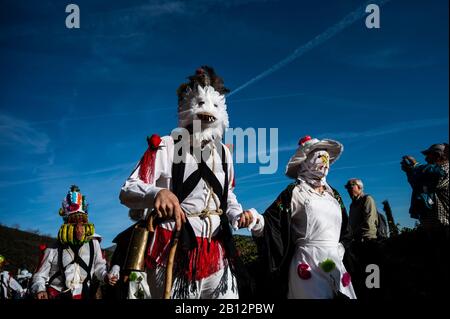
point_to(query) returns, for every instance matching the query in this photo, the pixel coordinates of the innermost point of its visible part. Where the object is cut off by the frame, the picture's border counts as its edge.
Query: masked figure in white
(304, 228)
(186, 179)
(68, 267)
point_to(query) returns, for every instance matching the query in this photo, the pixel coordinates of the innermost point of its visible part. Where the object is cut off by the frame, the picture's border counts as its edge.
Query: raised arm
(138, 194)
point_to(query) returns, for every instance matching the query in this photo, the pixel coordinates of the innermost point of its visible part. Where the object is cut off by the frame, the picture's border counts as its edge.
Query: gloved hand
(255, 224)
(113, 276)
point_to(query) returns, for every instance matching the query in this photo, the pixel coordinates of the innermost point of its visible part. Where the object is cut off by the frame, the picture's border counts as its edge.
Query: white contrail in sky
(321, 38)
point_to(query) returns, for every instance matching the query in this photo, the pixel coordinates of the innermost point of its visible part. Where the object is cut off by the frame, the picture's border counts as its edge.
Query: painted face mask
(76, 229)
(315, 168)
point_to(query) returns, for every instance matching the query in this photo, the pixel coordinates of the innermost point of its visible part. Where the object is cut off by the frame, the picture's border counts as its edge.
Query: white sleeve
(257, 226)
(135, 193)
(234, 209)
(14, 285)
(42, 275)
(99, 262)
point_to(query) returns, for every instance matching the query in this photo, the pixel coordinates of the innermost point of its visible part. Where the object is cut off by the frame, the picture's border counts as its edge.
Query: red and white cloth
(136, 194)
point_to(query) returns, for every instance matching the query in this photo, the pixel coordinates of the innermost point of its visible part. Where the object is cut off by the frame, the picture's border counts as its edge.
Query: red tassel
(147, 164)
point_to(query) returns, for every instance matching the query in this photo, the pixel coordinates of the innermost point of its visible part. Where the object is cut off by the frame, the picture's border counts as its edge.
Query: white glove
(256, 224)
(115, 272)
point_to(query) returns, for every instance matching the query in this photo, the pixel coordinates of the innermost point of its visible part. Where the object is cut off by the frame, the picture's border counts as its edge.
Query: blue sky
(76, 105)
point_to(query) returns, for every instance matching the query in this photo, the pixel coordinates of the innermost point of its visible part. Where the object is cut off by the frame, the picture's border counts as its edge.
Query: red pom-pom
(154, 141)
(303, 271)
(346, 279)
(42, 247)
(305, 139)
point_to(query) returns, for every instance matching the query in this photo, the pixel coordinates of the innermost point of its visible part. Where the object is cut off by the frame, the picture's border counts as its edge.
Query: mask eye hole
(215, 105)
(200, 103)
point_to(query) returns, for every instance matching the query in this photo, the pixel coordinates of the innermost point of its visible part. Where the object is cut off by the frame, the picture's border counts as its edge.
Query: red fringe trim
(208, 261)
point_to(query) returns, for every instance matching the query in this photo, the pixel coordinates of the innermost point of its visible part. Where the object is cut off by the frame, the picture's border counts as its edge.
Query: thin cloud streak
(263, 98)
(16, 132)
(46, 178)
(318, 40)
(101, 116)
(389, 129)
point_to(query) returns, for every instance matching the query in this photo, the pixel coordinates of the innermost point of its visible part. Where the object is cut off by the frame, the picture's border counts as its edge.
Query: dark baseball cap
(435, 148)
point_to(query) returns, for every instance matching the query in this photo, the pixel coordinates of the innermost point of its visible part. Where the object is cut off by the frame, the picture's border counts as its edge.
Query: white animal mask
(206, 106)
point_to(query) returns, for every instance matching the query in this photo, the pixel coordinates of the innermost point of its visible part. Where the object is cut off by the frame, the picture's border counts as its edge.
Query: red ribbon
(147, 164)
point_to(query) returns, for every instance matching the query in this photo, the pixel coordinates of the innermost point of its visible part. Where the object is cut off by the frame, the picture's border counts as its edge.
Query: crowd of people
(181, 195)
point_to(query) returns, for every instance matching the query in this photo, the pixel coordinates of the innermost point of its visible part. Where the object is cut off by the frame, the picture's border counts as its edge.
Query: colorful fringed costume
(67, 268)
(201, 177)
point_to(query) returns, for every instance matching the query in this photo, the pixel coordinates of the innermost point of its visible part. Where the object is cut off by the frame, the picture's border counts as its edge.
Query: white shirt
(9, 283)
(136, 194)
(75, 275)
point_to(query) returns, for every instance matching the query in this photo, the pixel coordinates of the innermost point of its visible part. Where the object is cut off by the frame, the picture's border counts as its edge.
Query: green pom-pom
(133, 276)
(327, 265)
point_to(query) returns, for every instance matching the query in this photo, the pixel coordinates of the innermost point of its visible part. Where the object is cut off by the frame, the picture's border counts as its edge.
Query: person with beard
(188, 183)
(68, 267)
(301, 245)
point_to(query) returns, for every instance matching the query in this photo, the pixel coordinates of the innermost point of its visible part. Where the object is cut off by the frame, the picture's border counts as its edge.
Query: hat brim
(426, 152)
(334, 148)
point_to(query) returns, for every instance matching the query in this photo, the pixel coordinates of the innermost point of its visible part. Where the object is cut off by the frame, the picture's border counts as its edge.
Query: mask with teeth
(201, 105)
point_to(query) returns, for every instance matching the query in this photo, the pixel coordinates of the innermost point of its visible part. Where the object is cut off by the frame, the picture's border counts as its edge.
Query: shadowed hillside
(21, 248)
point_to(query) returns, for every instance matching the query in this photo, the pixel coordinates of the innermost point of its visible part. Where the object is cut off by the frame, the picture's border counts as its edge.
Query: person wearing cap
(9, 287)
(304, 228)
(68, 267)
(363, 215)
(429, 182)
